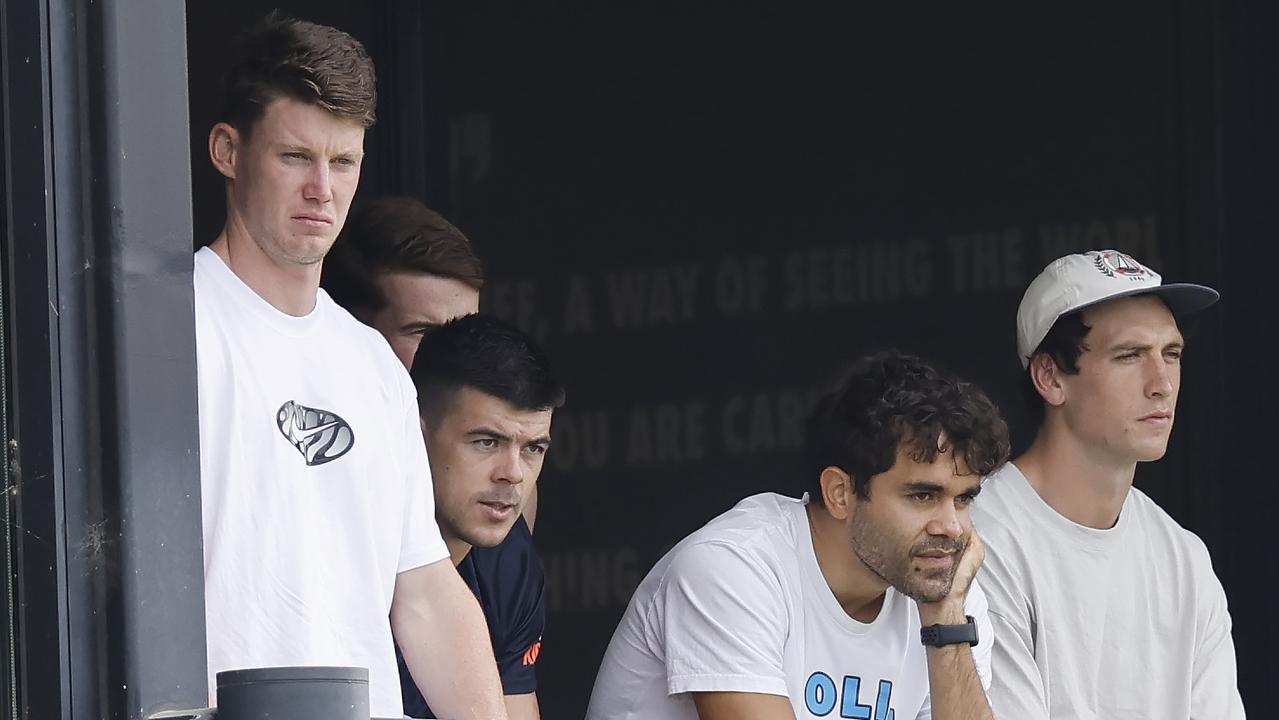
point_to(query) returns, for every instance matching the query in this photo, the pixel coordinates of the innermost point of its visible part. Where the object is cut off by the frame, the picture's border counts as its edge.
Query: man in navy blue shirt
(405, 270)
(486, 396)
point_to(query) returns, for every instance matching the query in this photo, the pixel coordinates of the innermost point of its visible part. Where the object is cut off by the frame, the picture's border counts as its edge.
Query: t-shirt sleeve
(420, 540)
(1015, 686)
(976, 606)
(520, 642)
(724, 622)
(1214, 690)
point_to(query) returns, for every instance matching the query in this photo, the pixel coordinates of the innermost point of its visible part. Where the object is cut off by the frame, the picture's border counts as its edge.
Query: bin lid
(297, 673)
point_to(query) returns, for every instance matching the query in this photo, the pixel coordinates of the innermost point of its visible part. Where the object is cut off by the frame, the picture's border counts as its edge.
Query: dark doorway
(706, 211)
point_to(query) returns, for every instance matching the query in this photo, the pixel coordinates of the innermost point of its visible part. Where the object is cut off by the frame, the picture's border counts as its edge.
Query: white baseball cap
(1075, 282)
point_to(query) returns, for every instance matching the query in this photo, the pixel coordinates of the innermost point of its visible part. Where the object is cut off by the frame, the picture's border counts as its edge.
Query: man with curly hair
(857, 598)
(1103, 606)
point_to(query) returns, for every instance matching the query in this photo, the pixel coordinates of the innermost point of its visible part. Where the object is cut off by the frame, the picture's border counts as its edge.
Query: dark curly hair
(891, 399)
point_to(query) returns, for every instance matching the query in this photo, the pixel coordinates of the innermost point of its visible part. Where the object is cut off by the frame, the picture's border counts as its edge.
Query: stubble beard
(485, 540)
(476, 538)
(280, 251)
(894, 567)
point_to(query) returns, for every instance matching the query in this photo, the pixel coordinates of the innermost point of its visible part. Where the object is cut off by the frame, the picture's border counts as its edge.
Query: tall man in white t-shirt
(1103, 606)
(856, 601)
(315, 485)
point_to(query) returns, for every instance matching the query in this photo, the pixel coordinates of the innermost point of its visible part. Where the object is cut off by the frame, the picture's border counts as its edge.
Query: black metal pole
(143, 542)
(104, 480)
(33, 487)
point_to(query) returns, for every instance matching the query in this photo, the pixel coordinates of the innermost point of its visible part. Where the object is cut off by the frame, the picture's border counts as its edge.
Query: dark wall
(1238, 474)
(706, 212)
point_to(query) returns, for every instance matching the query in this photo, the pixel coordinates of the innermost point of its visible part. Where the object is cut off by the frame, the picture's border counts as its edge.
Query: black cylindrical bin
(294, 693)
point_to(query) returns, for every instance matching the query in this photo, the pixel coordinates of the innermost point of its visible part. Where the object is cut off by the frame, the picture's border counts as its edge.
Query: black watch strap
(941, 635)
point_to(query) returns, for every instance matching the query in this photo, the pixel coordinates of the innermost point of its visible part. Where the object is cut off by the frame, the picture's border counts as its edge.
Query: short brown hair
(395, 234)
(315, 64)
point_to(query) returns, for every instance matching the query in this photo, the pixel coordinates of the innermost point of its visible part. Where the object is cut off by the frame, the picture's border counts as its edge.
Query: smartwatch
(942, 635)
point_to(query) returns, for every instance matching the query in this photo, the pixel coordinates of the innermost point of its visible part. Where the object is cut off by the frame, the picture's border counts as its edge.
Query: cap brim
(1182, 298)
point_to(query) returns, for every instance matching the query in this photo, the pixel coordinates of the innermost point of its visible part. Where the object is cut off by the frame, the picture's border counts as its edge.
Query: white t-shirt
(314, 482)
(1092, 624)
(742, 606)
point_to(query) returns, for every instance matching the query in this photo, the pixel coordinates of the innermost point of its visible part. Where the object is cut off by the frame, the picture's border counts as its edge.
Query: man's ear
(224, 147)
(1046, 377)
(838, 494)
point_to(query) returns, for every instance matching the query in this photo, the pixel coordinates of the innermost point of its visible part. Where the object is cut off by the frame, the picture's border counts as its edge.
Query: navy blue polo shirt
(508, 581)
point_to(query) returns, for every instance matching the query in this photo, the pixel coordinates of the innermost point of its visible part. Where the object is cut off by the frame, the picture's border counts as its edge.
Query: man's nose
(1158, 378)
(319, 185)
(946, 521)
(511, 468)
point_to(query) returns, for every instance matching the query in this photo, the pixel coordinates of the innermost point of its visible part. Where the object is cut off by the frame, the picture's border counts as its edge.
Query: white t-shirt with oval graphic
(314, 481)
(741, 606)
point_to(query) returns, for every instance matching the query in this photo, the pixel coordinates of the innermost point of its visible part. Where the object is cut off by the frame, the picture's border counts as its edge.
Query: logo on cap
(1111, 263)
(321, 436)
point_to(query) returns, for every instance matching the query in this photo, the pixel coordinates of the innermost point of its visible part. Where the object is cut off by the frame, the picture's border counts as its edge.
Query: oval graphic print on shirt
(321, 436)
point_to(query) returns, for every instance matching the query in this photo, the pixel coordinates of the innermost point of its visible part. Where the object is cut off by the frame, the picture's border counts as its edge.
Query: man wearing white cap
(1102, 605)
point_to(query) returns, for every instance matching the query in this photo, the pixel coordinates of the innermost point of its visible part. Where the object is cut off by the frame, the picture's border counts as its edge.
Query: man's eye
(922, 496)
(964, 500)
(537, 449)
(295, 155)
(485, 443)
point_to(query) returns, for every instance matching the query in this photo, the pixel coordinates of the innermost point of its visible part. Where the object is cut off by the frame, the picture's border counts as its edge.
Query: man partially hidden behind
(486, 396)
(783, 608)
(318, 513)
(403, 269)
(1103, 606)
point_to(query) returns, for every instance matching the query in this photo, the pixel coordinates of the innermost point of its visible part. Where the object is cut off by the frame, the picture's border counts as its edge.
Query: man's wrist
(948, 611)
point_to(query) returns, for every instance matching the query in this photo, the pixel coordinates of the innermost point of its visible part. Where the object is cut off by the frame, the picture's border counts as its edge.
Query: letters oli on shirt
(320, 435)
(822, 696)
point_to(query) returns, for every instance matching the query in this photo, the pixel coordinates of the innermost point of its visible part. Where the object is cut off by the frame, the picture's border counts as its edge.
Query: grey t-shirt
(1128, 622)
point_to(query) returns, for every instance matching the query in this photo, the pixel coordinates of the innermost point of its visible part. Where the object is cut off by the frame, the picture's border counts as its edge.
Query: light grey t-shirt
(1128, 622)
